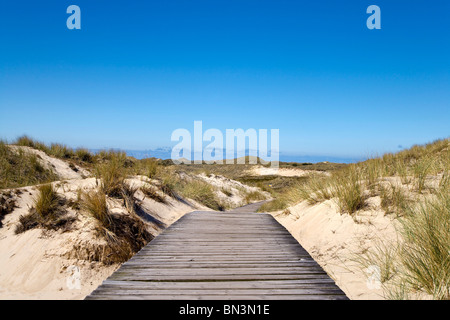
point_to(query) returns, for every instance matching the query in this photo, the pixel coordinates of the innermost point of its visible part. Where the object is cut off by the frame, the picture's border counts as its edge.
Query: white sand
(334, 240)
(40, 264)
(285, 172)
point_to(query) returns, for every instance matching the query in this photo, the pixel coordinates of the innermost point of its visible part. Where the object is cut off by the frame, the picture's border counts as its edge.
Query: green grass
(47, 202)
(349, 192)
(203, 193)
(394, 199)
(277, 204)
(19, 168)
(112, 174)
(252, 196)
(425, 251)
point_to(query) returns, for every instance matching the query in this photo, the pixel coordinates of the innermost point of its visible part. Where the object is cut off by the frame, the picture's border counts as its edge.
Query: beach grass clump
(152, 193)
(317, 189)
(7, 205)
(383, 256)
(147, 167)
(277, 204)
(84, 155)
(61, 151)
(20, 168)
(26, 141)
(349, 191)
(426, 245)
(125, 234)
(254, 195)
(112, 174)
(394, 199)
(47, 202)
(201, 192)
(48, 212)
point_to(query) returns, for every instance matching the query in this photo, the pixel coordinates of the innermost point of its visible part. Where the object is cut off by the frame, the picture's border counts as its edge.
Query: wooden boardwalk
(221, 255)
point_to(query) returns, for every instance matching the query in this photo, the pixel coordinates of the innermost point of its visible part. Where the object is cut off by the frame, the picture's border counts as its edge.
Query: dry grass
(125, 234)
(394, 200)
(19, 168)
(252, 196)
(7, 205)
(425, 258)
(419, 262)
(201, 192)
(48, 212)
(152, 193)
(112, 174)
(277, 204)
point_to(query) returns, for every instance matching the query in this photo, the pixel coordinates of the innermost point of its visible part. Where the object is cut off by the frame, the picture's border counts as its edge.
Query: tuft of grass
(349, 192)
(84, 155)
(112, 174)
(152, 193)
(61, 151)
(203, 193)
(317, 189)
(277, 204)
(48, 212)
(95, 204)
(394, 200)
(227, 191)
(7, 205)
(421, 170)
(125, 234)
(425, 255)
(251, 196)
(47, 203)
(382, 255)
(19, 168)
(147, 167)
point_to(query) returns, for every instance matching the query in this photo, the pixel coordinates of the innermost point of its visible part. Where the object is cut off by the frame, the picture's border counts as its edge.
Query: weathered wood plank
(210, 255)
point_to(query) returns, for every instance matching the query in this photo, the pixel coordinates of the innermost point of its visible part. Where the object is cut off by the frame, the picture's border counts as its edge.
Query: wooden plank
(210, 255)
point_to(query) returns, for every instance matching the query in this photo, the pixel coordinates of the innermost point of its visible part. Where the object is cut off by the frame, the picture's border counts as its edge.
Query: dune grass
(19, 168)
(112, 174)
(279, 203)
(252, 196)
(424, 257)
(125, 234)
(48, 212)
(203, 193)
(152, 193)
(414, 186)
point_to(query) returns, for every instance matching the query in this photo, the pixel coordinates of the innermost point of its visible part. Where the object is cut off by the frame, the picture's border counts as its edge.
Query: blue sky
(137, 70)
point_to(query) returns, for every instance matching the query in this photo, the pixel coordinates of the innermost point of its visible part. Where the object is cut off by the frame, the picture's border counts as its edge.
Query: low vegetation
(7, 205)
(125, 234)
(19, 168)
(48, 212)
(413, 186)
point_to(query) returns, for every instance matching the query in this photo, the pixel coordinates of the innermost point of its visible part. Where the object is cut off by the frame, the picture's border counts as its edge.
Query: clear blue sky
(137, 70)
